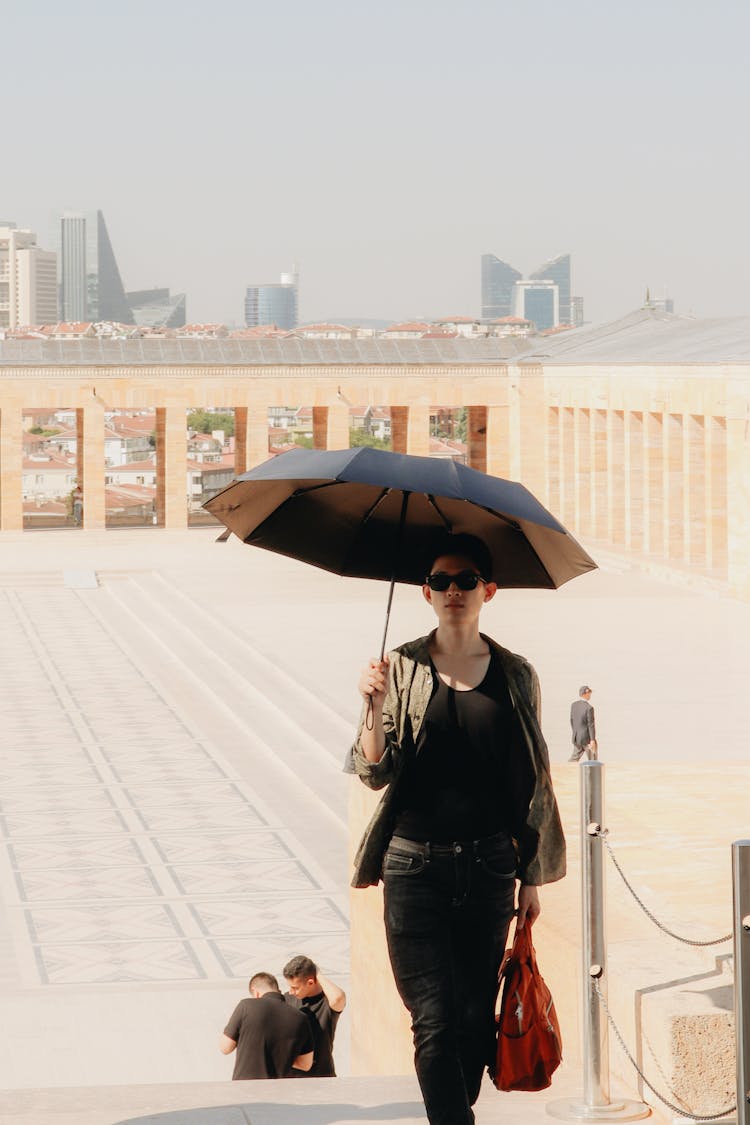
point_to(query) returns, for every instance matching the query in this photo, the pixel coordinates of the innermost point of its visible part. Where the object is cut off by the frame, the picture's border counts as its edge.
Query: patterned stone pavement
(133, 852)
(172, 813)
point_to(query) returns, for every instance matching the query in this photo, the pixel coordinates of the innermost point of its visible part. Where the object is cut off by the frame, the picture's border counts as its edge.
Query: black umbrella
(368, 513)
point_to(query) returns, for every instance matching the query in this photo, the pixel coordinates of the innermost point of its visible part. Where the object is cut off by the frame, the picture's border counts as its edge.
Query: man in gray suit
(583, 727)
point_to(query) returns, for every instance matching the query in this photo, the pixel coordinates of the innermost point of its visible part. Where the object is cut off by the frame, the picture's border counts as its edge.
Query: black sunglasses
(465, 580)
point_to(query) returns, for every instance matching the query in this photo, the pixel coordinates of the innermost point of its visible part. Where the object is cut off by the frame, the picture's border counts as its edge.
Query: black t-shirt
(323, 1020)
(462, 781)
(269, 1035)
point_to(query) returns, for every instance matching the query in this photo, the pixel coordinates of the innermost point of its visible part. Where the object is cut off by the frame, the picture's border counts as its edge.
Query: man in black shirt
(323, 1002)
(272, 1040)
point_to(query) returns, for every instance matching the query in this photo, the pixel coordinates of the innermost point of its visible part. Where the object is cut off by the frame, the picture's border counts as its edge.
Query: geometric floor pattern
(129, 850)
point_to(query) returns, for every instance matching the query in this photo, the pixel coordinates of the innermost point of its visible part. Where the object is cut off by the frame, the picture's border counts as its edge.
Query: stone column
(410, 430)
(567, 513)
(616, 474)
(331, 426)
(250, 437)
(529, 427)
(488, 439)
(584, 482)
(90, 465)
(717, 496)
(600, 481)
(678, 492)
(552, 492)
(738, 495)
(11, 465)
(654, 483)
(476, 436)
(698, 489)
(171, 466)
(637, 499)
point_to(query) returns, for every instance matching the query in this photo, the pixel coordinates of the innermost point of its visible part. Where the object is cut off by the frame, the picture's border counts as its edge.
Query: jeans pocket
(402, 863)
(500, 864)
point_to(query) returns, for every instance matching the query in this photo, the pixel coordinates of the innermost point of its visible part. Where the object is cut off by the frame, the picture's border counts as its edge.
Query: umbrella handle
(369, 716)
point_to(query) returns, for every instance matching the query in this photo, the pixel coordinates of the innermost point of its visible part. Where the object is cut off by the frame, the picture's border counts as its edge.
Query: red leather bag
(529, 1047)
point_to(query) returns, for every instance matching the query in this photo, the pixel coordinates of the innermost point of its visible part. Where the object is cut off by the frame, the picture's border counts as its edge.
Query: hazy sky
(386, 146)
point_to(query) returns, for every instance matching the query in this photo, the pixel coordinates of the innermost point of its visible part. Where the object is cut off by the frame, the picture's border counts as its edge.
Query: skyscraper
(557, 270)
(28, 291)
(274, 303)
(538, 301)
(498, 279)
(90, 285)
(72, 268)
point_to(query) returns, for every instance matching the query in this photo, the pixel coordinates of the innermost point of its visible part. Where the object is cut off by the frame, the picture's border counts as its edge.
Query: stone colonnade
(653, 461)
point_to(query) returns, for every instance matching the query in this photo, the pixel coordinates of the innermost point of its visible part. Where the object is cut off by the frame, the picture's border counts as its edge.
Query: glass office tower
(498, 280)
(90, 286)
(273, 304)
(558, 270)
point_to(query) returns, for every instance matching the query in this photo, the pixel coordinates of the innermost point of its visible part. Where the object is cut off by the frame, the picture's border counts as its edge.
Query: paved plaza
(173, 812)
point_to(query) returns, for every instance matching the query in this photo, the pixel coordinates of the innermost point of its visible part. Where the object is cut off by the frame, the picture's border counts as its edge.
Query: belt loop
(427, 852)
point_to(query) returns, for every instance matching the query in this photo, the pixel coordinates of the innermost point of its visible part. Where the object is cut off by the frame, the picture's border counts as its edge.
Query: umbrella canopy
(368, 513)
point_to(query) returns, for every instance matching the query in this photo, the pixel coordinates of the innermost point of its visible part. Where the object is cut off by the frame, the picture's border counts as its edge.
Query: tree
(206, 421)
(361, 437)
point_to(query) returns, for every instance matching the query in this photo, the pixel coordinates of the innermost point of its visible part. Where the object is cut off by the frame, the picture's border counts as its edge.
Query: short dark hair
(265, 980)
(470, 547)
(584, 690)
(300, 966)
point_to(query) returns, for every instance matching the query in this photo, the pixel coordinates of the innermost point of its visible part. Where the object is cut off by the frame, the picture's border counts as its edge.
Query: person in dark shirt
(323, 1001)
(454, 734)
(272, 1040)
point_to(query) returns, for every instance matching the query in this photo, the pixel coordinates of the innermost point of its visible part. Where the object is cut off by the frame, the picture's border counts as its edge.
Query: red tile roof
(409, 326)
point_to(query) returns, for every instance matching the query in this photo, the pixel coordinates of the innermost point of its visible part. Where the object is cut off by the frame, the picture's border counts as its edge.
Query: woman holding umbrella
(452, 730)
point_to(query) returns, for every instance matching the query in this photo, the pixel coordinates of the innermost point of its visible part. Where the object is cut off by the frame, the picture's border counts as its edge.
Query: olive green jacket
(540, 844)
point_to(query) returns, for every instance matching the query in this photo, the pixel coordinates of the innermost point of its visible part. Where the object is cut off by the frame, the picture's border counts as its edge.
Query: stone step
(266, 735)
(315, 1101)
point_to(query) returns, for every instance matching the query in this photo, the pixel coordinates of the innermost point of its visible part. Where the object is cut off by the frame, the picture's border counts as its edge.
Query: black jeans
(447, 913)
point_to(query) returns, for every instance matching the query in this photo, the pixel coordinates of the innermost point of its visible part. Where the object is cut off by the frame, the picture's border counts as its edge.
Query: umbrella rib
(517, 527)
(499, 516)
(433, 503)
(375, 504)
(368, 514)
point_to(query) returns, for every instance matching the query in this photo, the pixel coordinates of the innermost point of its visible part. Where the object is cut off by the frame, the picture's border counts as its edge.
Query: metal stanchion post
(741, 895)
(595, 1105)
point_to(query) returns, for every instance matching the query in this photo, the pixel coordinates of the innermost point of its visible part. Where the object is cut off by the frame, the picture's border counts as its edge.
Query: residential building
(409, 330)
(498, 279)
(510, 326)
(325, 332)
(28, 287)
(538, 301)
(273, 304)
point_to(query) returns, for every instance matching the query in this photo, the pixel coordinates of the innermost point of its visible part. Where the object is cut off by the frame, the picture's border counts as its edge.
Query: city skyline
(373, 159)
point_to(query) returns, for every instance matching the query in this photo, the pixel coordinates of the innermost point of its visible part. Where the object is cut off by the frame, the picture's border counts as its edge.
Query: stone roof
(647, 336)
(140, 352)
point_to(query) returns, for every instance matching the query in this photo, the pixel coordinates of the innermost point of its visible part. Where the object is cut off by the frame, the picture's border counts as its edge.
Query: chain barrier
(603, 833)
(664, 1101)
